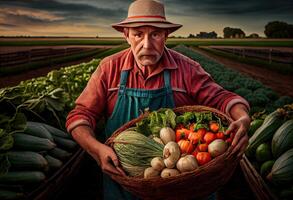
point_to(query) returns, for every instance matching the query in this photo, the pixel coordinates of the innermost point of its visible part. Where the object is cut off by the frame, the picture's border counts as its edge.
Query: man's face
(147, 44)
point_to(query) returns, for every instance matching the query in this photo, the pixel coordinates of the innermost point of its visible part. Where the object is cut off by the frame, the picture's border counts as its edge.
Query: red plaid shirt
(191, 85)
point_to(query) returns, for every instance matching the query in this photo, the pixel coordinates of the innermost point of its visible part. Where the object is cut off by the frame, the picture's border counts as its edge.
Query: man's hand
(103, 154)
(107, 159)
(240, 141)
(240, 127)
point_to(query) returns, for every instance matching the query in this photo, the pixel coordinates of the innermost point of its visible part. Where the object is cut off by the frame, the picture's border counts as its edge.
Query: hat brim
(160, 24)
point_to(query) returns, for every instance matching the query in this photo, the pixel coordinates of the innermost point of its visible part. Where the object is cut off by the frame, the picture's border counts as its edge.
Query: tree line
(274, 29)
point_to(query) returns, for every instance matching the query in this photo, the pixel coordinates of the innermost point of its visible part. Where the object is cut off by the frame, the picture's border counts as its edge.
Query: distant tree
(207, 35)
(278, 29)
(191, 36)
(233, 33)
(253, 35)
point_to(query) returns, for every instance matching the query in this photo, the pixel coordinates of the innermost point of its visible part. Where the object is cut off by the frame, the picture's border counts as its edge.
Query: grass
(34, 65)
(278, 67)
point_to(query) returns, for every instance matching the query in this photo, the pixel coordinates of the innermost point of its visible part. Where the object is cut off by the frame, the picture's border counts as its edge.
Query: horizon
(91, 18)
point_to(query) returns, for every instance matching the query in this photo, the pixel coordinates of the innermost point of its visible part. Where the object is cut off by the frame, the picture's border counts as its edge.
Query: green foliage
(260, 97)
(278, 29)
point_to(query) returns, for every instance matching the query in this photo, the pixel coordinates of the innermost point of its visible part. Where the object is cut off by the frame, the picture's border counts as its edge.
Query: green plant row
(260, 97)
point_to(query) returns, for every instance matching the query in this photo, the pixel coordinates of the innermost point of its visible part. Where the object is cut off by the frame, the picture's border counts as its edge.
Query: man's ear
(126, 34)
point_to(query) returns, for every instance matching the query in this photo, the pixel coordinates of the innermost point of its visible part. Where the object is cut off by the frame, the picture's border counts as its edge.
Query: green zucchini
(59, 153)
(57, 132)
(27, 160)
(254, 125)
(283, 139)
(265, 132)
(54, 163)
(22, 177)
(65, 143)
(266, 167)
(37, 129)
(10, 195)
(31, 143)
(282, 170)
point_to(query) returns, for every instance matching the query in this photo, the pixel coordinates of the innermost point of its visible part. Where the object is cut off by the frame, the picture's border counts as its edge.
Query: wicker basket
(255, 181)
(190, 185)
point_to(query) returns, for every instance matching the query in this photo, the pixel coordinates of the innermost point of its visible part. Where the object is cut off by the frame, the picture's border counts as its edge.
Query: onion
(169, 172)
(151, 172)
(167, 135)
(217, 147)
(171, 154)
(187, 163)
(157, 163)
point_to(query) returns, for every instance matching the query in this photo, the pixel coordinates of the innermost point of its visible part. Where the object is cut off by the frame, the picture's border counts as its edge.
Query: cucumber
(22, 177)
(10, 195)
(65, 143)
(57, 132)
(59, 153)
(282, 170)
(266, 167)
(54, 163)
(27, 160)
(37, 129)
(283, 139)
(31, 143)
(266, 131)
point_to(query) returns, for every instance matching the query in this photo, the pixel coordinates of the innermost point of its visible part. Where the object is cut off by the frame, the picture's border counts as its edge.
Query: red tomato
(186, 146)
(220, 135)
(214, 126)
(203, 157)
(182, 133)
(202, 147)
(209, 137)
(202, 131)
(195, 137)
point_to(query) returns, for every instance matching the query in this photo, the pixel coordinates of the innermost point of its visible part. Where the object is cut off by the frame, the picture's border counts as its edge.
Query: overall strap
(123, 81)
(167, 79)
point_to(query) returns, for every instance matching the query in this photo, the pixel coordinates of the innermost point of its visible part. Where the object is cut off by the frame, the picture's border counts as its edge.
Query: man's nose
(147, 43)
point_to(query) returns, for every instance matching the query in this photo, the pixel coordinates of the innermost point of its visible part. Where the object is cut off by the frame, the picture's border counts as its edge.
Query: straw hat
(146, 13)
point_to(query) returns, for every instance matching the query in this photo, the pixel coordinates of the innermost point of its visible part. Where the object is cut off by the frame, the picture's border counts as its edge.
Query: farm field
(71, 80)
(118, 41)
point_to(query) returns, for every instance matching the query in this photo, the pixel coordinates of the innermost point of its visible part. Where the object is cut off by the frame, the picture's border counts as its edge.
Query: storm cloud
(95, 16)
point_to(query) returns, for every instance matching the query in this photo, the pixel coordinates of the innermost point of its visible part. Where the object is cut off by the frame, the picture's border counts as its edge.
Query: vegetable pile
(270, 150)
(165, 144)
(33, 145)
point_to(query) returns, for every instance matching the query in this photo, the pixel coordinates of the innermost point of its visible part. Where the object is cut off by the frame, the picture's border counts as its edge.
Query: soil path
(282, 84)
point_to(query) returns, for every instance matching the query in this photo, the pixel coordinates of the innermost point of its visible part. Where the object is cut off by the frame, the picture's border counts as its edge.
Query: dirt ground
(281, 83)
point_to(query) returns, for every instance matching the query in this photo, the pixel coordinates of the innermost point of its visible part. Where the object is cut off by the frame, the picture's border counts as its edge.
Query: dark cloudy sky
(93, 17)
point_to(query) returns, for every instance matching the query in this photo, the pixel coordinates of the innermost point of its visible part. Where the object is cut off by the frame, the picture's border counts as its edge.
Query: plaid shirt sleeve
(206, 92)
(90, 104)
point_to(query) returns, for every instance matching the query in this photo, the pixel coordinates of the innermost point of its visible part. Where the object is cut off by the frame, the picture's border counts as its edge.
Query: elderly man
(147, 75)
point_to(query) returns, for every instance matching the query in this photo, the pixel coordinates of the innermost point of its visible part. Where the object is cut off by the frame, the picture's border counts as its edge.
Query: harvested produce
(171, 154)
(166, 173)
(217, 147)
(187, 163)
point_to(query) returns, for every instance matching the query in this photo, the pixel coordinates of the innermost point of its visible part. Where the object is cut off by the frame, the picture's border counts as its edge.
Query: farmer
(146, 75)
